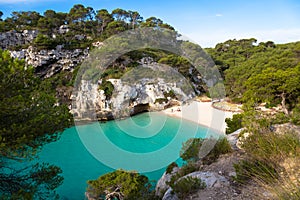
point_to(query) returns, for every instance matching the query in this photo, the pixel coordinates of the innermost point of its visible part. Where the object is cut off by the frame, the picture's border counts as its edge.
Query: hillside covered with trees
(92, 25)
(261, 73)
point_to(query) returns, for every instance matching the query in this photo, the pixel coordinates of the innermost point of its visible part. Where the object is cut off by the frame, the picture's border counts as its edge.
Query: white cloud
(219, 15)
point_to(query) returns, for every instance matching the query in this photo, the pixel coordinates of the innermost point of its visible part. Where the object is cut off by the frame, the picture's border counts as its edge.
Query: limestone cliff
(47, 62)
(14, 38)
(89, 102)
(50, 62)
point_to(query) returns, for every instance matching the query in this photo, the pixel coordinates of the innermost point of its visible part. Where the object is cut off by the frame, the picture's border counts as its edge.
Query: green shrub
(184, 170)
(132, 185)
(171, 94)
(77, 44)
(112, 73)
(176, 61)
(272, 146)
(254, 169)
(188, 168)
(221, 147)
(190, 150)
(188, 185)
(170, 167)
(295, 116)
(280, 118)
(161, 100)
(108, 88)
(18, 47)
(271, 104)
(43, 42)
(234, 124)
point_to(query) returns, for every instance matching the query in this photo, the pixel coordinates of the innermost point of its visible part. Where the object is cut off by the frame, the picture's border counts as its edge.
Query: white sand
(202, 113)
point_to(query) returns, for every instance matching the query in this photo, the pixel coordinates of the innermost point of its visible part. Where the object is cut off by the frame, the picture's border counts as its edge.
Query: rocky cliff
(47, 62)
(14, 38)
(89, 102)
(50, 62)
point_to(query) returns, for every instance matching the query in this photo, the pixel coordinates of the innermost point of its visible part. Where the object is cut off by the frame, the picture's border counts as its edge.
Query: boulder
(211, 180)
(233, 139)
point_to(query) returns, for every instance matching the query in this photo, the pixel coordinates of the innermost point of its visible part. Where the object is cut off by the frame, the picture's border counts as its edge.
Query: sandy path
(202, 113)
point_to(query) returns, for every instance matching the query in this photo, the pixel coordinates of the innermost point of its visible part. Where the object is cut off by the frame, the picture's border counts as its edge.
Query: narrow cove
(148, 133)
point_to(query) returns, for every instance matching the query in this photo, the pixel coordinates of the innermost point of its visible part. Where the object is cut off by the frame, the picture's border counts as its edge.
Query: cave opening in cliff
(140, 108)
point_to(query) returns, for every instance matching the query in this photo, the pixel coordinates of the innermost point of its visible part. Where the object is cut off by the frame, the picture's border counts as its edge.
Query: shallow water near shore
(73, 155)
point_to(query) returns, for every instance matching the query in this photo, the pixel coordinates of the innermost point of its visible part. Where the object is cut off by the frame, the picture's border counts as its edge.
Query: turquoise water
(147, 143)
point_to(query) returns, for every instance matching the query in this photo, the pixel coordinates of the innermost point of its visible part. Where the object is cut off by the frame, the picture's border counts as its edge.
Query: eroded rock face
(50, 62)
(46, 62)
(90, 103)
(88, 100)
(14, 38)
(131, 98)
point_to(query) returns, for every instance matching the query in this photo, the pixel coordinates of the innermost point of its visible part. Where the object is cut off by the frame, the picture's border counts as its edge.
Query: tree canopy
(257, 73)
(275, 86)
(190, 150)
(29, 118)
(130, 185)
(94, 24)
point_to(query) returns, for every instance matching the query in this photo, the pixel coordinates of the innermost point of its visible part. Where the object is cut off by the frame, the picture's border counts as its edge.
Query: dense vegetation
(191, 148)
(124, 184)
(261, 73)
(29, 118)
(82, 25)
(234, 123)
(264, 74)
(32, 101)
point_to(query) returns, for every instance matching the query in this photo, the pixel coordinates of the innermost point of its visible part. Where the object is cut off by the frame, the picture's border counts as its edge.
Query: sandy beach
(202, 113)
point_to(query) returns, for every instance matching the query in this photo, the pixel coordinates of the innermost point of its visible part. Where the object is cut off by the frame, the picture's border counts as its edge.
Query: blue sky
(206, 22)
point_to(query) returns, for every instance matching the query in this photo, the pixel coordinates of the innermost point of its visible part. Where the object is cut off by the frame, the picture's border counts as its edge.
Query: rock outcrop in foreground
(218, 177)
